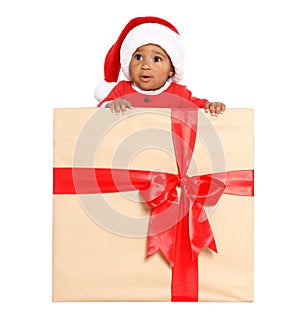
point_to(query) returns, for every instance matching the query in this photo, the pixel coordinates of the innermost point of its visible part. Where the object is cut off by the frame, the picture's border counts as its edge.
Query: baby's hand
(215, 108)
(119, 106)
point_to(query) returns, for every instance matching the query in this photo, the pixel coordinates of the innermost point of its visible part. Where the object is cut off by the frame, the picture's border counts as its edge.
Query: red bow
(161, 195)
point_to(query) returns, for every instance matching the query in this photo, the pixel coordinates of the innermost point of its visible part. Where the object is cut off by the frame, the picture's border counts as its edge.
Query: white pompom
(102, 89)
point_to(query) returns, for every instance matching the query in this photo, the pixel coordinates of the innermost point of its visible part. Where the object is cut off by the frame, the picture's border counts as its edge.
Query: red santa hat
(140, 31)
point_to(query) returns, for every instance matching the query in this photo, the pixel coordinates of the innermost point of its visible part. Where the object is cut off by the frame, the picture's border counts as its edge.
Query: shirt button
(146, 99)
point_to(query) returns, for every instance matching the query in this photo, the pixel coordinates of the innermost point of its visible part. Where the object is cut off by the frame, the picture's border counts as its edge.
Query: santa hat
(140, 31)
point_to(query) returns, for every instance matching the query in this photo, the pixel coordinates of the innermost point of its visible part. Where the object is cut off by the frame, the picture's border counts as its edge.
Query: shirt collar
(155, 92)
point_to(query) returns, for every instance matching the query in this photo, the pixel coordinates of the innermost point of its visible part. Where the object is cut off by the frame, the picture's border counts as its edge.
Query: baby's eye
(157, 59)
(138, 57)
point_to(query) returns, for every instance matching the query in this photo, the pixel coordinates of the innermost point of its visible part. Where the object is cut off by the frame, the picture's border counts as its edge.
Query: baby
(151, 55)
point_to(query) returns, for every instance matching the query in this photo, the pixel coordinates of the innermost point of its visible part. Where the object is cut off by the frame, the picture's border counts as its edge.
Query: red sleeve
(117, 92)
(200, 103)
(182, 91)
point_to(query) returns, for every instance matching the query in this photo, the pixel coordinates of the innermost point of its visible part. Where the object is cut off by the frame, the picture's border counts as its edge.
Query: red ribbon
(178, 228)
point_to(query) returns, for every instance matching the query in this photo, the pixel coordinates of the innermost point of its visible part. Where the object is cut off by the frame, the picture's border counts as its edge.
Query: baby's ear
(171, 73)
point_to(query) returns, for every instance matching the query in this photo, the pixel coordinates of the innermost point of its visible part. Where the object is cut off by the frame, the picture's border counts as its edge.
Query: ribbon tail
(163, 242)
(201, 234)
(162, 232)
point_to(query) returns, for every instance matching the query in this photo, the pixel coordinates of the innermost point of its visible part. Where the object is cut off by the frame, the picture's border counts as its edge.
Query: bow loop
(205, 189)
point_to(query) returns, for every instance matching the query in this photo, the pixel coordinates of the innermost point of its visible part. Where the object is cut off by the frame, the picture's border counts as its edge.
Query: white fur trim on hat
(102, 89)
(155, 34)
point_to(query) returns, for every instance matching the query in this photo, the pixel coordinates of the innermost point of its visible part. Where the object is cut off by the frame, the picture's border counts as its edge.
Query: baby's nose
(146, 64)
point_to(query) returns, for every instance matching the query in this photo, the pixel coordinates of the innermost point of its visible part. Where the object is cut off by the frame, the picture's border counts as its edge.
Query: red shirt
(124, 88)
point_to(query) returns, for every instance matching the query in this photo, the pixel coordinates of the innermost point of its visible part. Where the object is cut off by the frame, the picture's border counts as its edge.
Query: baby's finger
(112, 108)
(218, 108)
(123, 108)
(116, 109)
(128, 104)
(213, 109)
(223, 108)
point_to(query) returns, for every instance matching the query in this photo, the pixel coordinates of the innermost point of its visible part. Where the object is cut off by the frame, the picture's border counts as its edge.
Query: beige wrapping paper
(96, 262)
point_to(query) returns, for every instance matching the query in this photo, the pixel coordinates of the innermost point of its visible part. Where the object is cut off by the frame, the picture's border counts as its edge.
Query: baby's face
(150, 67)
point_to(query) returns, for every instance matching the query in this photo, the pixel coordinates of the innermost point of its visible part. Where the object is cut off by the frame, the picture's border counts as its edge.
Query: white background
(244, 53)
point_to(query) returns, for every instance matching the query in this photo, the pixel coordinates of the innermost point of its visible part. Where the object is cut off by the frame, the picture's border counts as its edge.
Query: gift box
(153, 205)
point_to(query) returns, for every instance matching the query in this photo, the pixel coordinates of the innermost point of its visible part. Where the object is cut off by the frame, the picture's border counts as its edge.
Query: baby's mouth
(145, 78)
